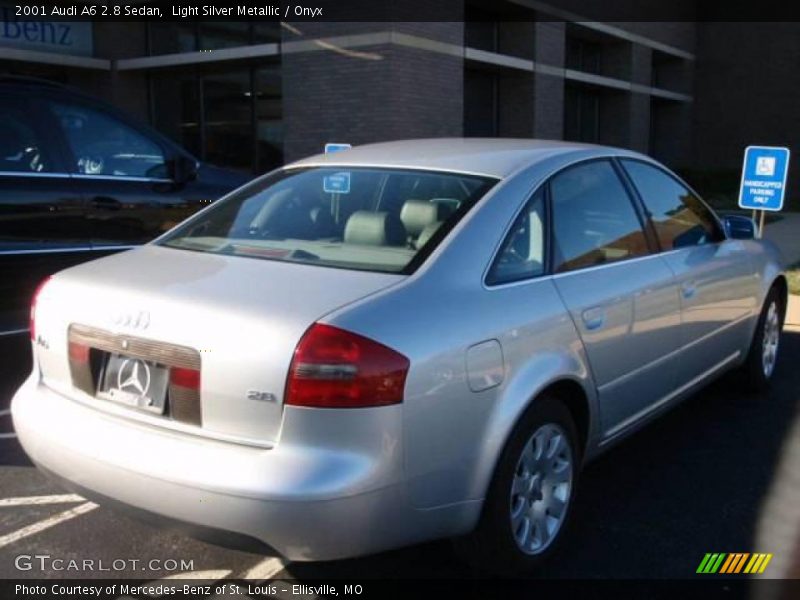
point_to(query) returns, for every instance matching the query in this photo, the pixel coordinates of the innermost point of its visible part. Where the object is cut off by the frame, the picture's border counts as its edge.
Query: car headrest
(374, 229)
(427, 233)
(416, 215)
(447, 206)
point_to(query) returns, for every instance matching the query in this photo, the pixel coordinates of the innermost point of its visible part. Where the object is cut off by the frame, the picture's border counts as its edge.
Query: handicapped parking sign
(764, 173)
(337, 183)
(330, 147)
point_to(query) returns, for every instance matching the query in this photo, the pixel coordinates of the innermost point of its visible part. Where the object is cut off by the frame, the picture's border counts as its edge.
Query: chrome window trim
(554, 276)
(14, 331)
(84, 176)
(659, 252)
(614, 263)
(33, 174)
(121, 178)
(67, 249)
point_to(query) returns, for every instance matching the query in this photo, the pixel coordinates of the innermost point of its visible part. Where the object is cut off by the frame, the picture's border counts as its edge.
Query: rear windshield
(356, 218)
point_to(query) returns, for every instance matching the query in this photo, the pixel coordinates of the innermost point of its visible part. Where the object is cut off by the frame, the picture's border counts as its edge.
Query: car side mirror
(182, 169)
(738, 227)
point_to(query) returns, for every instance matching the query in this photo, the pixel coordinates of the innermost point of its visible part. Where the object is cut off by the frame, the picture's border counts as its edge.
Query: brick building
(251, 95)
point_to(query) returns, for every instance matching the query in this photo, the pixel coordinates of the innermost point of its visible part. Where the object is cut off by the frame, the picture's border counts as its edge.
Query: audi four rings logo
(134, 376)
(135, 319)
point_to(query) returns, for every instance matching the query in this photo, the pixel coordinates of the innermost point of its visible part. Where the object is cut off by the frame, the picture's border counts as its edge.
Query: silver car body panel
(243, 316)
(630, 338)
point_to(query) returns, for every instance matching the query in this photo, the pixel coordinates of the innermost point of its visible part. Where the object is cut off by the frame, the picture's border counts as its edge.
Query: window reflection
(269, 118)
(594, 220)
(679, 217)
(231, 118)
(228, 119)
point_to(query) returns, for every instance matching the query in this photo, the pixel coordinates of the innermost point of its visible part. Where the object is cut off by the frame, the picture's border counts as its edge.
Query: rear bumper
(344, 497)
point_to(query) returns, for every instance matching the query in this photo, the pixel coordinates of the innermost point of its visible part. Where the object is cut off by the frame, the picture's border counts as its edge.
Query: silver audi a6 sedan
(395, 343)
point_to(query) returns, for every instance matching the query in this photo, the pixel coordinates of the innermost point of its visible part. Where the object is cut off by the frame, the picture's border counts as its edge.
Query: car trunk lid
(238, 319)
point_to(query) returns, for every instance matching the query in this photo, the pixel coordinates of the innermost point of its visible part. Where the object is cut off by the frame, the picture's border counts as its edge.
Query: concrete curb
(793, 311)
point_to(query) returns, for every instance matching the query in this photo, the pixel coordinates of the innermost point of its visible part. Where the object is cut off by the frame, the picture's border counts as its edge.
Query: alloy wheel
(541, 488)
(770, 339)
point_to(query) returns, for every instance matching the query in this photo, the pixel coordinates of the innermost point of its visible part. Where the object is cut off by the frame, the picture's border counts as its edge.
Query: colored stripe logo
(735, 562)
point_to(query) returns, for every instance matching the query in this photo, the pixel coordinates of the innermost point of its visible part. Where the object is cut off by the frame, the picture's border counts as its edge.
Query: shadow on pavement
(691, 482)
(15, 365)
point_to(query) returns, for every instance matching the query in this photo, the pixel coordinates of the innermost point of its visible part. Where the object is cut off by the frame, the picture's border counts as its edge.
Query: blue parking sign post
(763, 184)
(331, 147)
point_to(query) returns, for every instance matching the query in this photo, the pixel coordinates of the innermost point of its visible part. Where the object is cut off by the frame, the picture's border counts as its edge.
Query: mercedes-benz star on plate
(395, 343)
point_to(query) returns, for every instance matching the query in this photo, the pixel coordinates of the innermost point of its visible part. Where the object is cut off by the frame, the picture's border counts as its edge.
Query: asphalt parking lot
(691, 483)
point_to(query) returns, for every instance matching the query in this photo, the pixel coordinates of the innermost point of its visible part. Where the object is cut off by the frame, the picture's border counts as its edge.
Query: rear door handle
(594, 318)
(688, 289)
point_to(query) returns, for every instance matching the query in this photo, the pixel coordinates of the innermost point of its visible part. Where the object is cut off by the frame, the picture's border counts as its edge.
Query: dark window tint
(594, 221)
(103, 145)
(679, 217)
(22, 148)
(522, 254)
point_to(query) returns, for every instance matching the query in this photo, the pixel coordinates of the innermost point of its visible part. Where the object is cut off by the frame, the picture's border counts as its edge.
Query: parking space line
(7, 436)
(4, 412)
(40, 526)
(13, 332)
(266, 569)
(37, 500)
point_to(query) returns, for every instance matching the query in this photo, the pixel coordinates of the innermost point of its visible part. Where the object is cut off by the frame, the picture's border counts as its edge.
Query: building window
(481, 35)
(269, 118)
(581, 114)
(228, 122)
(669, 72)
(175, 108)
(480, 103)
(230, 118)
(584, 55)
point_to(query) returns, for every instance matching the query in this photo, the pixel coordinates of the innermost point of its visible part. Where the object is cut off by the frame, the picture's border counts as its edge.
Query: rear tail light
(78, 353)
(184, 395)
(80, 367)
(334, 368)
(32, 323)
(185, 378)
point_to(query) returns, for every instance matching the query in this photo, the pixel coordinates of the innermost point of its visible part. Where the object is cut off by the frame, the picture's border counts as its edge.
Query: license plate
(134, 382)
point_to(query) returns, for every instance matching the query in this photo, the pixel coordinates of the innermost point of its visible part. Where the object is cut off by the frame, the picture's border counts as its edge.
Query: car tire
(762, 356)
(520, 525)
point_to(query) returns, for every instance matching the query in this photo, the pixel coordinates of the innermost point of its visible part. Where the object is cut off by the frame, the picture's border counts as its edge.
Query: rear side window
(679, 217)
(22, 147)
(522, 254)
(103, 145)
(357, 218)
(594, 221)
